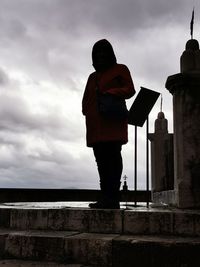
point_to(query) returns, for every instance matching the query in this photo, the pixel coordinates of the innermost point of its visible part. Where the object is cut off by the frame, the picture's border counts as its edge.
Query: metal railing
(147, 191)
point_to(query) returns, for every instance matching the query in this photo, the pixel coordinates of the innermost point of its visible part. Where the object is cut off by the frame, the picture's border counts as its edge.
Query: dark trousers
(109, 163)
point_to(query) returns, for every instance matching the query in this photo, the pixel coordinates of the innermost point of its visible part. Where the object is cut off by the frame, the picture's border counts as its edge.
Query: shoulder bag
(111, 106)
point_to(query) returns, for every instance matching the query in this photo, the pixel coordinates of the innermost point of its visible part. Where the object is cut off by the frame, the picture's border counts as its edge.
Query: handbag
(111, 106)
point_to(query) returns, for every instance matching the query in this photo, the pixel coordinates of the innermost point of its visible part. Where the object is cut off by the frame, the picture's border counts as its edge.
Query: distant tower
(161, 158)
(185, 88)
(190, 59)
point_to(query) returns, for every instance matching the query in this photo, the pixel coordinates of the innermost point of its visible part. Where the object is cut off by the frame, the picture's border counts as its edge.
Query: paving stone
(160, 223)
(143, 222)
(68, 219)
(184, 223)
(136, 222)
(93, 249)
(165, 222)
(38, 245)
(29, 218)
(105, 221)
(85, 220)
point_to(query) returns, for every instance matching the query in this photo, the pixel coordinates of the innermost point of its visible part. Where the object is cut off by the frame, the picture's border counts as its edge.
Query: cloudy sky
(45, 59)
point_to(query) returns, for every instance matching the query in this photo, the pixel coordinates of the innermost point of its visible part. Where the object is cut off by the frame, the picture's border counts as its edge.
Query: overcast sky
(45, 59)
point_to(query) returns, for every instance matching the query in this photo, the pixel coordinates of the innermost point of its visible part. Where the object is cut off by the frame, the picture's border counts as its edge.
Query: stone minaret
(161, 158)
(185, 88)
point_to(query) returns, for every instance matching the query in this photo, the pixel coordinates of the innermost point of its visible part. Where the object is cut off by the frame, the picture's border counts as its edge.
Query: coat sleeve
(85, 98)
(126, 88)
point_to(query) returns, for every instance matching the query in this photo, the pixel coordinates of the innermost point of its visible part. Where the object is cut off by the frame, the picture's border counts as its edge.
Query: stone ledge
(60, 246)
(137, 221)
(100, 249)
(85, 220)
(184, 223)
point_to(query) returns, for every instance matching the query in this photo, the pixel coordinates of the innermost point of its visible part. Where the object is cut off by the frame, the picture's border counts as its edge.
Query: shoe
(105, 205)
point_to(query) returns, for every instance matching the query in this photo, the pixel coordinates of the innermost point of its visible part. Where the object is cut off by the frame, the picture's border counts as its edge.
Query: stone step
(21, 263)
(102, 250)
(135, 221)
(57, 246)
(156, 251)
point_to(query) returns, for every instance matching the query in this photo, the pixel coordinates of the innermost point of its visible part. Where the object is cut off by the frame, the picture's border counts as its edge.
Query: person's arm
(85, 98)
(122, 85)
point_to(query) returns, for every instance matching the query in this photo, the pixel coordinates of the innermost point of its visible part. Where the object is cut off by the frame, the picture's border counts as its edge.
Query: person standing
(106, 135)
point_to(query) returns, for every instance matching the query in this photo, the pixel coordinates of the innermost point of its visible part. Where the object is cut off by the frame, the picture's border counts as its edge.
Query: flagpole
(161, 102)
(192, 24)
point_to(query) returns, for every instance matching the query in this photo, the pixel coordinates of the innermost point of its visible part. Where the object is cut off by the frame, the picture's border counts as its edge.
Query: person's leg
(101, 160)
(115, 167)
(109, 163)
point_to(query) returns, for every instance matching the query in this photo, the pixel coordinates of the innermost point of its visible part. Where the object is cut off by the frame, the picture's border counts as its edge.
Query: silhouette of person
(106, 135)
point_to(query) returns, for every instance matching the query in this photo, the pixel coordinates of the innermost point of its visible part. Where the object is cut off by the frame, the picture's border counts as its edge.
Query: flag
(191, 24)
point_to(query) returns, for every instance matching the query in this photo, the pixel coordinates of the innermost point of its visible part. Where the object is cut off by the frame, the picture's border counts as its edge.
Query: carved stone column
(185, 88)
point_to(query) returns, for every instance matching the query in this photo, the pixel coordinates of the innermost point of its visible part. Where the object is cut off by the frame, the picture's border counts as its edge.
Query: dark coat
(117, 81)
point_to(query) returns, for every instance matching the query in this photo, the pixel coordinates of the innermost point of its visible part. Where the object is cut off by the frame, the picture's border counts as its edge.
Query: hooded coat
(114, 79)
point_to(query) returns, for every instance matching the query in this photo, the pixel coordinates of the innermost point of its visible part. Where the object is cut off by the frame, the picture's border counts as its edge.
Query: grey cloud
(19, 149)
(59, 170)
(4, 78)
(12, 29)
(66, 24)
(45, 164)
(131, 16)
(15, 116)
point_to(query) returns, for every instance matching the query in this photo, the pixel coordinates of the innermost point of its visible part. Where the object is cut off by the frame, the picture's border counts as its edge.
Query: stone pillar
(185, 88)
(161, 158)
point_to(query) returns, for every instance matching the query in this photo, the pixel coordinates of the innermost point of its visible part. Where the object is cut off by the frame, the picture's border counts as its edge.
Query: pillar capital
(184, 81)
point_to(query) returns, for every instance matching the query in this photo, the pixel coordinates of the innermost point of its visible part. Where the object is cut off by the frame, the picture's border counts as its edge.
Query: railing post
(147, 159)
(135, 170)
